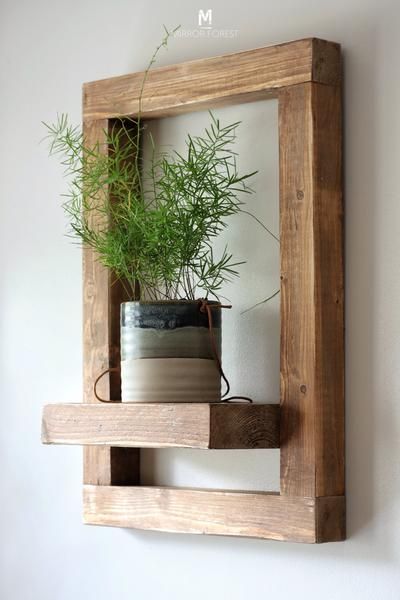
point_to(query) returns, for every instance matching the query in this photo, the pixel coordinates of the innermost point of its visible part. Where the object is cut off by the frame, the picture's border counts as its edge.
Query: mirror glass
(251, 329)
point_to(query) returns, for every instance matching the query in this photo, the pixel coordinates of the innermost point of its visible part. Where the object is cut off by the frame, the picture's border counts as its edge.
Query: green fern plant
(154, 227)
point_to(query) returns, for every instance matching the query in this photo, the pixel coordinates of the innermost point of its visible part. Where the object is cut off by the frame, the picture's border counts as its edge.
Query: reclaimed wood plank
(217, 512)
(312, 337)
(200, 84)
(163, 425)
(101, 300)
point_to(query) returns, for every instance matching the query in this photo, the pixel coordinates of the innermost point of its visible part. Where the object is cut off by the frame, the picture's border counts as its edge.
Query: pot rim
(169, 302)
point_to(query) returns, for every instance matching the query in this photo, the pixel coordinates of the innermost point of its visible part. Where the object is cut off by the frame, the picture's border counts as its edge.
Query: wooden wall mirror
(308, 424)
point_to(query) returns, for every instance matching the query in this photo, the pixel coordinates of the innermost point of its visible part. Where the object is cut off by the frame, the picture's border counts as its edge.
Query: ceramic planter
(167, 354)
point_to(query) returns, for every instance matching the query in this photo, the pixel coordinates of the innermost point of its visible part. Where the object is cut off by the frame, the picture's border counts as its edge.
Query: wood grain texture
(244, 426)
(312, 348)
(163, 425)
(207, 83)
(183, 510)
(101, 300)
(331, 519)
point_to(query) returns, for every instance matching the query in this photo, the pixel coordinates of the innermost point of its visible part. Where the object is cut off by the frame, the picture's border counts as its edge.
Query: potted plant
(155, 229)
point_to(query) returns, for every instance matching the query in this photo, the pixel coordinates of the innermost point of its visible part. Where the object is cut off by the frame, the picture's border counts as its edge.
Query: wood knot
(303, 388)
(299, 194)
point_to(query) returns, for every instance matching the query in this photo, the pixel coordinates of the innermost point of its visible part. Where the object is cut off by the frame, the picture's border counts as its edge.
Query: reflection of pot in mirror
(166, 352)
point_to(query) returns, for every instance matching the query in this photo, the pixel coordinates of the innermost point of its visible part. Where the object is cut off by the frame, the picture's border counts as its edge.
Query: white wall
(47, 49)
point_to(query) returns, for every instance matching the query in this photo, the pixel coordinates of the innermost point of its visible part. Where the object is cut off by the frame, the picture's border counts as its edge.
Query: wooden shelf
(218, 512)
(200, 425)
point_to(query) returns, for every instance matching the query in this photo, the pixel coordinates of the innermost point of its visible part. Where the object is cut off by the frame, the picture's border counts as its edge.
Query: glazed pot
(167, 354)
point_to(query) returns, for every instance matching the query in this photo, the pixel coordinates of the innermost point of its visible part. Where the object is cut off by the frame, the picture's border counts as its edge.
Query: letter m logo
(205, 18)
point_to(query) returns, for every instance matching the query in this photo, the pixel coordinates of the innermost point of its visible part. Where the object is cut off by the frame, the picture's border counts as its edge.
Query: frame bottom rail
(217, 512)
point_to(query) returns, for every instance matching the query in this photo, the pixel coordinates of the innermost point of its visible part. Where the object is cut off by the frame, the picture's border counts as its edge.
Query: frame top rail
(207, 83)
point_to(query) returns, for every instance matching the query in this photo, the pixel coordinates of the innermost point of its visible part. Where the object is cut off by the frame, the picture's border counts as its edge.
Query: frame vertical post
(103, 465)
(312, 341)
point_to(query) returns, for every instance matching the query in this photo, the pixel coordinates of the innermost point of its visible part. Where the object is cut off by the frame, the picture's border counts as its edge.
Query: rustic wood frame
(305, 76)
